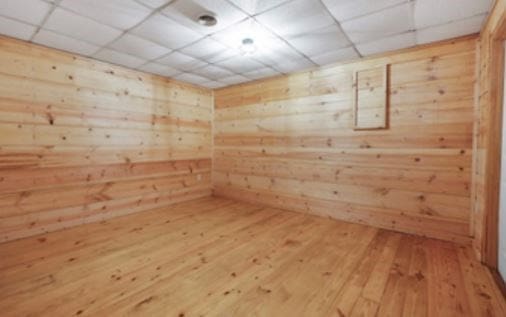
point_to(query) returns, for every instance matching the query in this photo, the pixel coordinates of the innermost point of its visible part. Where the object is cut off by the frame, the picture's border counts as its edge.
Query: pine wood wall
(83, 141)
(288, 142)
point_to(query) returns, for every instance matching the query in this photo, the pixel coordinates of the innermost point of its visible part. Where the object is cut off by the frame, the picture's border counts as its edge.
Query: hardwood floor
(216, 257)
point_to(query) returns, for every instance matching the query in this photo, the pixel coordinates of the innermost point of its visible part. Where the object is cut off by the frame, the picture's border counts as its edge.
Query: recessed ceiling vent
(207, 19)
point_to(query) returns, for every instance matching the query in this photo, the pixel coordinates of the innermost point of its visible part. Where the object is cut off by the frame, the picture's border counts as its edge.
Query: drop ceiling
(162, 37)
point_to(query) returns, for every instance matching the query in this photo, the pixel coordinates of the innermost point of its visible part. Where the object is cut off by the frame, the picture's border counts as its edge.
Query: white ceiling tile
(204, 49)
(159, 69)
(375, 26)
(212, 72)
(223, 55)
(232, 80)
(187, 13)
(64, 43)
(16, 29)
(387, 22)
(261, 73)
(293, 66)
(118, 58)
(122, 14)
(319, 41)
(192, 78)
(295, 17)
(435, 12)
(166, 32)
(391, 43)
(240, 64)
(339, 55)
(30, 11)
(275, 52)
(181, 61)
(213, 84)
(450, 30)
(253, 7)
(136, 46)
(78, 27)
(344, 10)
(154, 4)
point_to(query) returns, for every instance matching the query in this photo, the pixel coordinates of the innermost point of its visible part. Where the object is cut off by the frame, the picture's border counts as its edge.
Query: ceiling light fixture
(248, 46)
(207, 19)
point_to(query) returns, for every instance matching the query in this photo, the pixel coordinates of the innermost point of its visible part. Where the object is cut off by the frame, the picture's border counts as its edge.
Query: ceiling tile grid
(122, 14)
(159, 69)
(380, 24)
(192, 78)
(213, 84)
(261, 73)
(213, 72)
(164, 37)
(17, 29)
(63, 42)
(181, 61)
(80, 28)
(139, 47)
(119, 58)
(28, 11)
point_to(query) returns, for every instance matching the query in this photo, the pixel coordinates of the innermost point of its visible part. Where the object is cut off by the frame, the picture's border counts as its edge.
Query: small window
(370, 98)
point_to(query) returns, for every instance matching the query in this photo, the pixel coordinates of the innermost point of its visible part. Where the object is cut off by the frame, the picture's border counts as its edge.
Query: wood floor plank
(415, 303)
(218, 257)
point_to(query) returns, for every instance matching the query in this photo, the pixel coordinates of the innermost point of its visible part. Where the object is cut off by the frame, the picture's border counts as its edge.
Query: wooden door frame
(494, 146)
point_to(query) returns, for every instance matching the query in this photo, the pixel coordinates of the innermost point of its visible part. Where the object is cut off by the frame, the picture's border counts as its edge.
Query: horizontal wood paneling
(83, 141)
(289, 142)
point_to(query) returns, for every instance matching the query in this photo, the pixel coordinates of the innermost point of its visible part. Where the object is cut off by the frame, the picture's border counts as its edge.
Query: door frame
(495, 150)
(492, 44)
(494, 144)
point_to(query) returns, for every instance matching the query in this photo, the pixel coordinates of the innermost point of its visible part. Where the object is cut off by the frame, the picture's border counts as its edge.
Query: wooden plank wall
(289, 142)
(488, 137)
(83, 141)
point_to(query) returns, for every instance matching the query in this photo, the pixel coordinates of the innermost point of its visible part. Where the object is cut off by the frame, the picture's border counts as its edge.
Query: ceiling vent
(207, 19)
